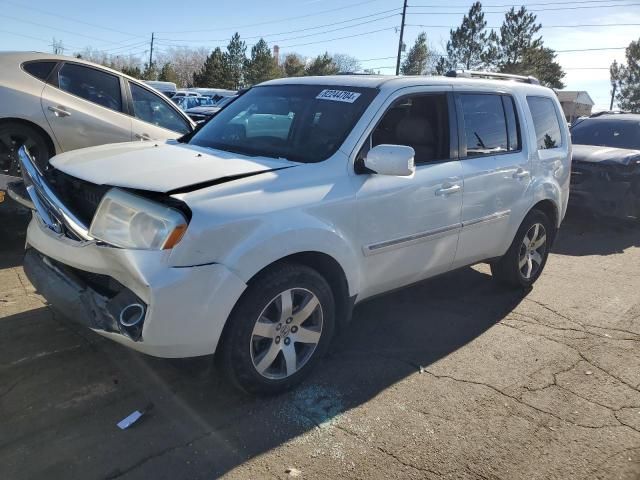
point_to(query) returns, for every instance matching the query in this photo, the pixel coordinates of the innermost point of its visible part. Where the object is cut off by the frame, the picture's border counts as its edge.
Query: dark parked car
(205, 112)
(605, 176)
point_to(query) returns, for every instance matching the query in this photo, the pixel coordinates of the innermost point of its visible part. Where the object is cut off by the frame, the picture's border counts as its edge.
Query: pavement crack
(9, 389)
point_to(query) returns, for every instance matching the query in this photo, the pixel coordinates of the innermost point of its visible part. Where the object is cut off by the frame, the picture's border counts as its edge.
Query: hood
(204, 110)
(161, 167)
(604, 155)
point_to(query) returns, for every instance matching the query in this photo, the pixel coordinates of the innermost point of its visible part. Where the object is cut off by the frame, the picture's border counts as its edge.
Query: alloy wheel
(286, 333)
(532, 251)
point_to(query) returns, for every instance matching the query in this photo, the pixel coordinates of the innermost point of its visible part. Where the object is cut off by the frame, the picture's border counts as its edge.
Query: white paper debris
(130, 420)
(338, 96)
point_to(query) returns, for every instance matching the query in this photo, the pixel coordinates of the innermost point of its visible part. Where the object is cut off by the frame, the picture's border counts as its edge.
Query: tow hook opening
(131, 315)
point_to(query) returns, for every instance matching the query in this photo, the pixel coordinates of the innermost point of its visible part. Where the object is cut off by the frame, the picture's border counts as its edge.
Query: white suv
(255, 236)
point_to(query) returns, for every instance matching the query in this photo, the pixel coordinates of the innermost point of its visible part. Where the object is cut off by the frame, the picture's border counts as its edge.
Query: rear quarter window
(545, 122)
(39, 69)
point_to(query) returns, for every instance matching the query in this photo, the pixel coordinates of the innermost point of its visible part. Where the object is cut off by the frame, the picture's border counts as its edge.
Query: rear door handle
(449, 189)
(521, 173)
(143, 136)
(59, 111)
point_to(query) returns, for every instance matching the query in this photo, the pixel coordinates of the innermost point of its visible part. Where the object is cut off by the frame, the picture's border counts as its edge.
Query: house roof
(577, 96)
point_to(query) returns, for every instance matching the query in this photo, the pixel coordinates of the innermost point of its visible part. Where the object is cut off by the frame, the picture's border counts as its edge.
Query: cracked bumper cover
(187, 307)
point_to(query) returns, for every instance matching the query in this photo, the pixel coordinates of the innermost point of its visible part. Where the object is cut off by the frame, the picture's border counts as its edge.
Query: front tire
(524, 261)
(279, 329)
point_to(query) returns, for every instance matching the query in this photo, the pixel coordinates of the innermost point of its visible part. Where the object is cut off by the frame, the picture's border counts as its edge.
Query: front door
(496, 170)
(408, 226)
(84, 107)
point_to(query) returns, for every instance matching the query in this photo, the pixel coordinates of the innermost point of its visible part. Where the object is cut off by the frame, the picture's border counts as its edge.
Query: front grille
(79, 196)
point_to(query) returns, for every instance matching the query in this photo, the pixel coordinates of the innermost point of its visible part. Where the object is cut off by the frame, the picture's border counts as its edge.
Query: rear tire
(524, 261)
(278, 330)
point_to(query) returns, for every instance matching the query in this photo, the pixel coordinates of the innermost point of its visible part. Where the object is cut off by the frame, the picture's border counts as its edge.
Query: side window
(419, 121)
(485, 124)
(545, 121)
(40, 70)
(513, 126)
(93, 85)
(150, 108)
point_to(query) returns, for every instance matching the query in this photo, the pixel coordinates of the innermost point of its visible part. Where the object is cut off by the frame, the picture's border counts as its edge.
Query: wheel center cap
(285, 330)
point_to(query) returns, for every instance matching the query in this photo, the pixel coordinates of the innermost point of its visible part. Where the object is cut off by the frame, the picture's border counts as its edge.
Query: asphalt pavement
(454, 377)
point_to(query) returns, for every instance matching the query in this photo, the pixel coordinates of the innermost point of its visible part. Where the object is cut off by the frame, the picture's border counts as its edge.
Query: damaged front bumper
(135, 297)
(184, 308)
(605, 190)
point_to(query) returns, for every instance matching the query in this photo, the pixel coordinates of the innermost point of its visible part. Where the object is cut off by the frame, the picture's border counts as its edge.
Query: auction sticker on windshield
(338, 96)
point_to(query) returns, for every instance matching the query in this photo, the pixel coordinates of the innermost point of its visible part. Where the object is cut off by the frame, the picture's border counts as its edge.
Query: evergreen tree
(419, 60)
(261, 66)
(168, 74)
(134, 72)
(293, 65)
(322, 65)
(235, 58)
(627, 79)
(516, 37)
(468, 45)
(150, 71)
(540, 63)
(214, 72)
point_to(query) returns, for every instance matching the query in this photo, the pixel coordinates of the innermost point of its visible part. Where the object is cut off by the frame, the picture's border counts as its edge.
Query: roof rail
(492, 75)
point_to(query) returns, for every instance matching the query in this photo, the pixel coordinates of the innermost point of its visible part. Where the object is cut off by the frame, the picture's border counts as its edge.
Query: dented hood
(161, 167)
(605, 155)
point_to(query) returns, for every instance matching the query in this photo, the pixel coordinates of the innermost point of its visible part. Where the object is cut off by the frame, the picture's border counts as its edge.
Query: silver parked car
(53, 104)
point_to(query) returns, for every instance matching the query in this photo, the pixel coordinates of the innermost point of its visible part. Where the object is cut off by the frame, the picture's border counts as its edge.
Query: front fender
(248, 246)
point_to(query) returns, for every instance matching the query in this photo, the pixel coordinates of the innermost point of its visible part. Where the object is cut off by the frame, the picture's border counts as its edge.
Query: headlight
(129, 221)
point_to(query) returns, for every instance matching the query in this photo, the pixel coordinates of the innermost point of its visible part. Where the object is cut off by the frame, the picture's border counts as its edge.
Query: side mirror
(396, 160)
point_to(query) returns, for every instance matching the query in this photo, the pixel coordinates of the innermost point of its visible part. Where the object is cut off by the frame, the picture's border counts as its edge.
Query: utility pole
(400, 44)
(613, 95)
(151, 52)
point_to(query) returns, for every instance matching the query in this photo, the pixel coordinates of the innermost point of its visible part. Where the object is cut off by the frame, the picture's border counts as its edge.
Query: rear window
(39, 70)
(545, 122)
(607, 132)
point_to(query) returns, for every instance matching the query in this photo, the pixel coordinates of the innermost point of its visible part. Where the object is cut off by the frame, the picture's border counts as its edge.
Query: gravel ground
(452, 378)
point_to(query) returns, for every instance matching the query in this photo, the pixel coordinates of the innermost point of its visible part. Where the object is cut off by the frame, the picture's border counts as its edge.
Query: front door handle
(449, 189)
(521, 173)
(59, 111)
(143, 136)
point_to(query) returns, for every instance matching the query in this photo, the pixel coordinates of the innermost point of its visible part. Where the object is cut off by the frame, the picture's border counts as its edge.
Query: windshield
(302, 123)
(189, 102)
(603, 132)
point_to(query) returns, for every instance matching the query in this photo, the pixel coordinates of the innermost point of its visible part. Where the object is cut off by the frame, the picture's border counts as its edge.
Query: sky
(365, 29)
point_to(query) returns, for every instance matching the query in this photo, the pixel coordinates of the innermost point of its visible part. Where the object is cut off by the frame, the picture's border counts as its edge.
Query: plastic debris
(588, 372)
(133, 418)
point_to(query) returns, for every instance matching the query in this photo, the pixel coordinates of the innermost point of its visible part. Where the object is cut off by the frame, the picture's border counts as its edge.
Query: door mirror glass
(396, 160)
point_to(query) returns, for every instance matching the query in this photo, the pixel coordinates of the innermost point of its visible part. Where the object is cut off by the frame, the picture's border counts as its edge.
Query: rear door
(155, 117)
(84, 107)
(496, 170)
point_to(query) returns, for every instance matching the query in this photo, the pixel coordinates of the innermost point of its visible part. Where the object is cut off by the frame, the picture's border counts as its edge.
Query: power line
(341, 38)
(590, 49)
(30, 8)
(280, 20)
(55, 28)
(579, 2)
(303, 29)
(543, 26)
(534, 10)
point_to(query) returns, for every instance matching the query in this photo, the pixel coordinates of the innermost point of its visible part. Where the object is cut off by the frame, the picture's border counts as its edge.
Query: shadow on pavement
(582, 234)
(64, 388)
(13, 228)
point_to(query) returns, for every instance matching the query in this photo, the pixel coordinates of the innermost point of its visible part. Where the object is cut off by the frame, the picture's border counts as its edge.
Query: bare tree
(185, 61)
(346, 63)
